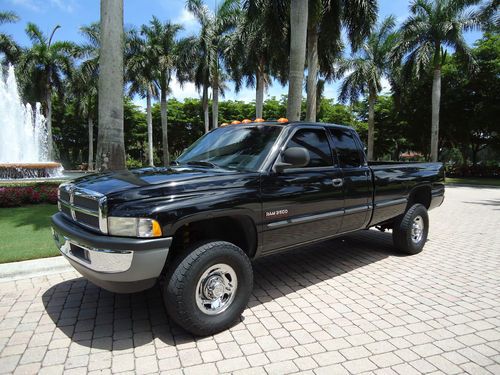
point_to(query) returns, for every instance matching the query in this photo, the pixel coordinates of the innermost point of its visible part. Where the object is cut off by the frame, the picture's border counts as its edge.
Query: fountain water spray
(23, 135)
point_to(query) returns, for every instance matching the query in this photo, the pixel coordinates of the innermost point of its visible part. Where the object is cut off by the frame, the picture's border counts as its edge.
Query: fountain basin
(10, 171)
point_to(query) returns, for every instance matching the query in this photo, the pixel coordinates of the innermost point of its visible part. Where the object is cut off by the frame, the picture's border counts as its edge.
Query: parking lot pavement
(350, 305)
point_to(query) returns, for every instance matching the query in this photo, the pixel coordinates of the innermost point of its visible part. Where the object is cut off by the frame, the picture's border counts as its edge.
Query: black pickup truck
(238, 193)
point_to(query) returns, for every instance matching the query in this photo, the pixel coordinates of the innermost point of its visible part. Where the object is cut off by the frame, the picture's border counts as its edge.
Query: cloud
(67, 6)
(32, 5)
(188, 90)
(386, 86)
(187, 20)
(40, 6)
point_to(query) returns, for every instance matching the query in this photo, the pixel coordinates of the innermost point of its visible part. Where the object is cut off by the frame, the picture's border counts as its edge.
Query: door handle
(338, 182)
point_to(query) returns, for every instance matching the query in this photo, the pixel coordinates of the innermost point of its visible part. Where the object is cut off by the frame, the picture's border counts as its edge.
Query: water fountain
(23, 135)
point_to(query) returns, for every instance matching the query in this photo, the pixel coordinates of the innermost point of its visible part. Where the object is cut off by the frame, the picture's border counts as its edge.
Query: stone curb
(33, 268)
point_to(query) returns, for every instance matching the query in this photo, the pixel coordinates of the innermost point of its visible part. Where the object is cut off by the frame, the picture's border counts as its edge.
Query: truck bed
(394, 183)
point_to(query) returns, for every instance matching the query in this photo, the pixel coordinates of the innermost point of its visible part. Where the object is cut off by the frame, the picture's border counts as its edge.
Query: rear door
(303, 204)
(357, 184)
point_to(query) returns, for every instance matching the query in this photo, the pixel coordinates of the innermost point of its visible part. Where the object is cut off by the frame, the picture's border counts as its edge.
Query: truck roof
(289, 124)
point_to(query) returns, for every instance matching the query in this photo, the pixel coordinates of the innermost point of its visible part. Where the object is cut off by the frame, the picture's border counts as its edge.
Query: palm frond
(8, 17)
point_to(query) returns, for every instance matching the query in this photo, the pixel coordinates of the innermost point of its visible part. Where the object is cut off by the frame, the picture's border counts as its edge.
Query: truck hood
(154, 182)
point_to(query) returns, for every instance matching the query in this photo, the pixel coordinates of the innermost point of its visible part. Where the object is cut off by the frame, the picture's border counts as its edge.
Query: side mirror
(293, 157)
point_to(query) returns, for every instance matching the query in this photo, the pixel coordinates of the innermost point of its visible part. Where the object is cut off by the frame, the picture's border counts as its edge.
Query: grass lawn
(474, 181)
(25, 233)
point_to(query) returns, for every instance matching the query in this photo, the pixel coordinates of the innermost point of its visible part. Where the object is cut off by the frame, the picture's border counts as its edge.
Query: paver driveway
(348, 305)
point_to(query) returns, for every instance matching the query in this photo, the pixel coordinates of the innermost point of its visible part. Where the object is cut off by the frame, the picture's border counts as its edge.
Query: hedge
(12, 195)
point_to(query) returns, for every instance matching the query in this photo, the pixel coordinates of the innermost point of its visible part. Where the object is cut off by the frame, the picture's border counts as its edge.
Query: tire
(209, 270)
(410, 230)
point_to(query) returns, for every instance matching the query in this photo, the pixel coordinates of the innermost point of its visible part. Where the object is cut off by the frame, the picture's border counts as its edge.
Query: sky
(71, 14)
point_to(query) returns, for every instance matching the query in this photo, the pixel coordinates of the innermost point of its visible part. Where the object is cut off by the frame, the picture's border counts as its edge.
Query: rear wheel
(410, 230)
(208, 287)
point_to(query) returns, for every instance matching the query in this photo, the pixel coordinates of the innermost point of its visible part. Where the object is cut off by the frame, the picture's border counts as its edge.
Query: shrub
(491, 171)
(16, 195)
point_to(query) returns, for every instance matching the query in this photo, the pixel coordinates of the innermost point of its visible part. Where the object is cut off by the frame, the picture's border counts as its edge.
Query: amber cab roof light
(282, 120)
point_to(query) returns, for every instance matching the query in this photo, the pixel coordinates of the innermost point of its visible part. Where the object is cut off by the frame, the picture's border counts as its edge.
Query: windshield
(234, 147)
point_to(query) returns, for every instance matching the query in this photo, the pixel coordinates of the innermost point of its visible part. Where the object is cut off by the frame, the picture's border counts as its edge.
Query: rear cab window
(347, 148)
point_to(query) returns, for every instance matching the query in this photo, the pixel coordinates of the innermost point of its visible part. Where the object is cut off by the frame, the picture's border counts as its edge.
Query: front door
(303, 204)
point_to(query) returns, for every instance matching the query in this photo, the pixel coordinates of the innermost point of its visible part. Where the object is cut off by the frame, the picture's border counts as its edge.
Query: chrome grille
(83, 206)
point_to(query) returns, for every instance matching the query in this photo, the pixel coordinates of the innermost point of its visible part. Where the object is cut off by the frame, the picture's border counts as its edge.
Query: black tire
(402, 231)
(181, 286)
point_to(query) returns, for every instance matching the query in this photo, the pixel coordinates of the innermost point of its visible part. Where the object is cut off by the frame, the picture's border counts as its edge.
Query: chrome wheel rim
(216, 289)
(417, 229)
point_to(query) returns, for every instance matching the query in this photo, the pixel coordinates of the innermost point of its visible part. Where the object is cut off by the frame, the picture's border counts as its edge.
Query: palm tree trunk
(149, 121)
(50, 141)
(371, 124)
(436, 99)
(206, 118)
(312, 72)
(91, 143)
(215, 105)
(259, 92)
(110, 142)
(298, 33)
(164, 126)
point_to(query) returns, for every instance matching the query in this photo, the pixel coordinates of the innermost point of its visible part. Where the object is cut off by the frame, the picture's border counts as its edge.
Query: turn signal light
(282, 120)
(235, 122)
(156, 230)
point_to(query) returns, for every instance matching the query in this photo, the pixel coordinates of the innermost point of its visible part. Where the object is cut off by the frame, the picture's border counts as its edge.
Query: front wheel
(208, 287)
(410, 231)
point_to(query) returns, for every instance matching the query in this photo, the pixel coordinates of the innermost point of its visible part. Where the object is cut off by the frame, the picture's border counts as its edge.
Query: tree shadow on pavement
(99, 319)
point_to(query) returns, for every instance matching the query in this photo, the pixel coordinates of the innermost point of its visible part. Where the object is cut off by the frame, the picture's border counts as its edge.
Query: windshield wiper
(203, 163)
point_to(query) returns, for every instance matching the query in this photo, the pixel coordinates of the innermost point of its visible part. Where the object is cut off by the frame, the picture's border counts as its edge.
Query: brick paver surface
(350, 305)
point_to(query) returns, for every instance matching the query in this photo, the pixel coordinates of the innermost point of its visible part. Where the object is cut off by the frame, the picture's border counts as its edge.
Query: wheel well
(420, 195)
(239, 230)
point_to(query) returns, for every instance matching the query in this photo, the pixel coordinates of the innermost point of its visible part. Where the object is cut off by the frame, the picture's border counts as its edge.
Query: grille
(83, 206)
(91, 204)
(90, 220)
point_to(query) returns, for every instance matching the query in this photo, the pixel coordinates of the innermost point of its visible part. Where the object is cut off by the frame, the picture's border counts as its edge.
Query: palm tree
(298, 33)
(195, 68)
(431, 29)
(83, 87)
(7, 45)
(366, 70)
(324, 44)
(140, 74)
(110, 142)
(86, 82)
(253, 57)
(212, 44)
(161, 47)
(48, 61)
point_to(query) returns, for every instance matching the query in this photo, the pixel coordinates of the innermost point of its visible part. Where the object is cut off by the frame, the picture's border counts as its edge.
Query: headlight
(133, 227)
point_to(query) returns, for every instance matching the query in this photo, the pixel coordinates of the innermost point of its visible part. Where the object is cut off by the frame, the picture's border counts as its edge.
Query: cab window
(347, 148)
(316, 142)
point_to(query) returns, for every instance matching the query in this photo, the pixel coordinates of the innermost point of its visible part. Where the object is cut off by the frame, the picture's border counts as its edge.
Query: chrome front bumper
(99, 260)
(118, 264)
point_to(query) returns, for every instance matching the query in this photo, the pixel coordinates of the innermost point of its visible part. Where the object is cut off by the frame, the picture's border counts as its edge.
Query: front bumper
(117, 264)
